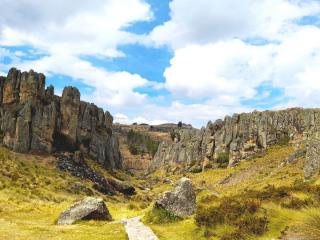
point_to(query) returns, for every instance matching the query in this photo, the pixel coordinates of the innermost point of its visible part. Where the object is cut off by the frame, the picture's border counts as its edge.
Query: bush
(175, 135)
(139, 143)
(296, 203)
(284, 140)
(251, 224)
(270, 192)
(228, 211)
(208, 216)
(223, 159)
(133, 150)
(160, 216)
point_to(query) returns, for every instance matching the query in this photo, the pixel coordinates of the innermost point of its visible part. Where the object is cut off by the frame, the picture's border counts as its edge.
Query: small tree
(180, 124)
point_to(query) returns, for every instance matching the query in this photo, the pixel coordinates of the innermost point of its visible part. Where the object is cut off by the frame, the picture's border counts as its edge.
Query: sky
(157, 61)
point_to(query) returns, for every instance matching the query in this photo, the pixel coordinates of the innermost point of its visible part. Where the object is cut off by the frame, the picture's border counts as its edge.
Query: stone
(181, 202)
(75, 164)
(243, 136)
(312, 163)
(32, 118)
(22, 136)
(122, 187)
(299, 153)
(70, 108)
(87, 209)
(108, 119)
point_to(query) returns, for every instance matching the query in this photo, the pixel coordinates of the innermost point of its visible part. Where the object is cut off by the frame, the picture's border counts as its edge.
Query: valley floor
(33, 193)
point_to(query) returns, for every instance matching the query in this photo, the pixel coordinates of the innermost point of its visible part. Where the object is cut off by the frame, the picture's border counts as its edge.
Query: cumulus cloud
(87, 28)
(207, 21)
(110, 88)
(224, 51)
(64, 32)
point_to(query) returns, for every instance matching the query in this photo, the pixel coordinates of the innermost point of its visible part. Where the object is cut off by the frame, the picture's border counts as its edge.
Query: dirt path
(136, 230)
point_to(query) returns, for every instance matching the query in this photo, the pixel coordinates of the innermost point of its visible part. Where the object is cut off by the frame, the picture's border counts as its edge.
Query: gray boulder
(87, 209)
(181, 202)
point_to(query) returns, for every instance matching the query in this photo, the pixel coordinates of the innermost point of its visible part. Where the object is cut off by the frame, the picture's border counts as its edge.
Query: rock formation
(75, 164)
(238, 137)
(181, 202)
(86, 209)
(32, 118)
(312, 163)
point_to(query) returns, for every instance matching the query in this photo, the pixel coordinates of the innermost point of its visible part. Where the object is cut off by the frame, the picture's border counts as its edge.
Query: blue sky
(161, 61)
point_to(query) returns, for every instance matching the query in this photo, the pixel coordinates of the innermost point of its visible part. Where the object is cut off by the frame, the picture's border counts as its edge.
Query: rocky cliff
(32, 118)
(235, 138)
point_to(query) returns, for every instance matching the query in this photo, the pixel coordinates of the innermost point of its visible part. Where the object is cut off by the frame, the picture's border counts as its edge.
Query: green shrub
(251, 224)
(223, 159)
(296, 203)
(175, 135)
(160, 216)
(208, 216)
(140, 143)
(133, 149)
(270, 192)
(284, 140)
(228, 211)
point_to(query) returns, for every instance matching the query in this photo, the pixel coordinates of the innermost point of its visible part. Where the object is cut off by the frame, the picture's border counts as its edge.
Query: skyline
(167, 61)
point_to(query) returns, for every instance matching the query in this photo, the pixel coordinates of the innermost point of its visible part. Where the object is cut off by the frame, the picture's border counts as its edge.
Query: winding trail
(136, 230)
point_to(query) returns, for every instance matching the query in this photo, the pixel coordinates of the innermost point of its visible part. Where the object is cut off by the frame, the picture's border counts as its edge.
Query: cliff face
(238, 137)
(32, 118)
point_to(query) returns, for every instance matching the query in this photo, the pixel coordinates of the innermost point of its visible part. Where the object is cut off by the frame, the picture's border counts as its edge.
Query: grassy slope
(253, 174)
(33, 194)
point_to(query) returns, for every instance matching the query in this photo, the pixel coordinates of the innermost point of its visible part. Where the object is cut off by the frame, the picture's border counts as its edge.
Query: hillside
(249, 176)
(33, 193)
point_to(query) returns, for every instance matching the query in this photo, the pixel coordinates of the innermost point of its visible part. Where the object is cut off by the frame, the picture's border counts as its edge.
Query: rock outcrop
(86, 209)
(75, 164)
(181, 202)
(312, 163)
(238, 137)
(32, 118)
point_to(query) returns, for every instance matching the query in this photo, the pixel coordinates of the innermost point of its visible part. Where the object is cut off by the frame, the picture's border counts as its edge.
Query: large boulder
(87, 209)
(181, 202)
(312, 164)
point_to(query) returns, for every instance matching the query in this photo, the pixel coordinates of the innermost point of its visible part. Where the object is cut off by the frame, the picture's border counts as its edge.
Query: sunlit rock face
(242, 136)
(32, 118)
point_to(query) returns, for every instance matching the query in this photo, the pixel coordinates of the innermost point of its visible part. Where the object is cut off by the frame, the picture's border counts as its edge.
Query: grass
(279, 187)
(33, 193)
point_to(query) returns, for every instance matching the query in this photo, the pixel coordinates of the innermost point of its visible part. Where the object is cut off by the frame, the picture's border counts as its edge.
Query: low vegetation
(139, 143)
(33, 193)
(159, 216)
(262, 198)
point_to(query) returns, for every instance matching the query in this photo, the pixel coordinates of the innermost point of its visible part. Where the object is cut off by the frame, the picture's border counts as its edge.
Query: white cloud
(87, 27)
(216, 60)
(111, 88)
(124, 119)
(65, 31)
(206, 21)
(235, 68)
